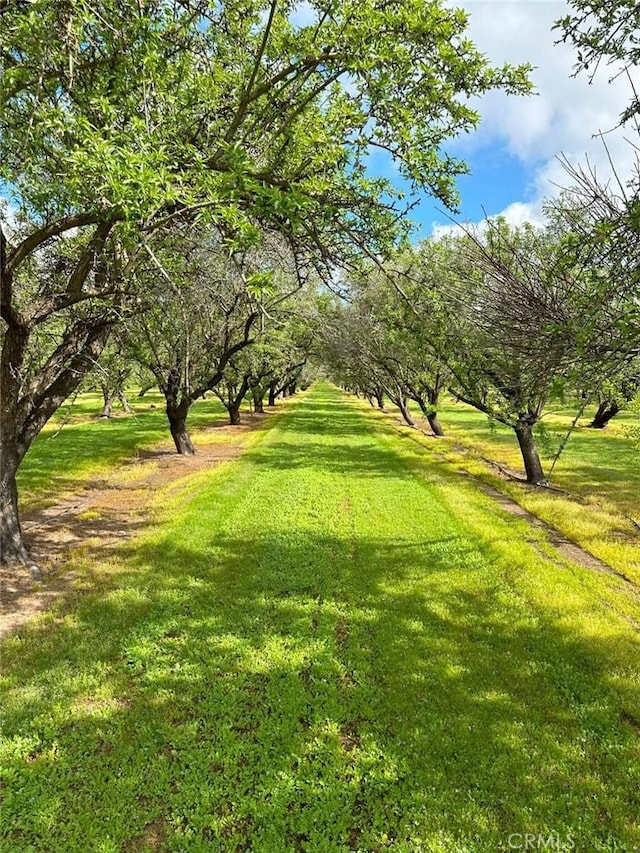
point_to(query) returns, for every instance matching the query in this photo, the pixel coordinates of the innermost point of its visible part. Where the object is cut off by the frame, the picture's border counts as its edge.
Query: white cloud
(515, 214)
(566, 112)
(303, 14)
(8, 217)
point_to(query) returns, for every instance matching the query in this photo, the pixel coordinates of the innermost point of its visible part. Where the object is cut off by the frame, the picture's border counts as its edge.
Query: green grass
(598, 464)
(598, 471)
(334, 645)
(77, 446)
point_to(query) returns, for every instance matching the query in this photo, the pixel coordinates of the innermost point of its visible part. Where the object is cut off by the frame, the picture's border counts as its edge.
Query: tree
(605, 30)
(279, 356)
(616, 393)
(111, 374)
(512, 318)
(118, 115)
(200, 309)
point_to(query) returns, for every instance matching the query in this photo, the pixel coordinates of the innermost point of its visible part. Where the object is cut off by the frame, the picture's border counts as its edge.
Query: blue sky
(513, 155)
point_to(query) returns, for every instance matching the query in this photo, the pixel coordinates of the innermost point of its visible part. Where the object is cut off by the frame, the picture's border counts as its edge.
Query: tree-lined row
(506, 319)
(123, 123)
(182, 173)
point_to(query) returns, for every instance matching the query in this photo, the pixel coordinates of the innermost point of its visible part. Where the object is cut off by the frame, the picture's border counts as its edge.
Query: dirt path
(100, 518)
(564, 547)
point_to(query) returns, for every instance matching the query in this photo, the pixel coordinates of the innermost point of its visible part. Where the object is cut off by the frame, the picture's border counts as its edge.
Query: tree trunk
(258, 401)
(606, 410)
(530, 457)
(404, 410)
(108, 401)
(434, 423)
(177, 415)
(273, 388)
(124, 402)
(380, 400)
(235, 401)
(12, 549)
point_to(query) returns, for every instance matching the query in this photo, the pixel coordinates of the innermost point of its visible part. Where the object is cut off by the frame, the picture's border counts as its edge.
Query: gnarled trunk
(107, 407)
(177, 416)
(404, 410)
(124, 402)
(258, 400)
(380, 399)
(12, 548)
(234, 401)
(430, 414)
(434, 423)
(273, 393)
(530, 457)
(606, 410)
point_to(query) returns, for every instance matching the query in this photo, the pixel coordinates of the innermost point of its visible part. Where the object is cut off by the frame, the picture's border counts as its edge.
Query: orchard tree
(111, 374)
(407, 347)
(278, 358)
(511, 323)
(616, 394)
(118, 115)
(605, 31)
(200, 307)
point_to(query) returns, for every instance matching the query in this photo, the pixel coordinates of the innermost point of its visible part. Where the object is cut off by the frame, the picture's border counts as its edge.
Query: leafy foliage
(605, 30)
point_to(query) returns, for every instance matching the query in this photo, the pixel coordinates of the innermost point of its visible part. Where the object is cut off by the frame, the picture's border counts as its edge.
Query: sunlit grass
(77, 446)
(598, 469)
(336, 644)
(595, 464)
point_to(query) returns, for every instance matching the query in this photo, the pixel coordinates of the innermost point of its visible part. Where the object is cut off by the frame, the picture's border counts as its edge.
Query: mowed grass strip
(599, 471)
(333, 647)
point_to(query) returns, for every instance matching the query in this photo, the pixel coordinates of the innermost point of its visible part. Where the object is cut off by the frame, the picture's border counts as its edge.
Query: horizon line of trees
(504, 318)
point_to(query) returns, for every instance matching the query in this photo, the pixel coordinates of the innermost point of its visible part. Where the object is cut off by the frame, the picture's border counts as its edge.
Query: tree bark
(12, 548)
(434, 423)
(273, 390)
(380, 399)
(606, 410)
(108, 401)
(126, 408)
(404, 410)
(177, 415)
(235, 401)
(258, 401)
(430, 414)
(530, 457)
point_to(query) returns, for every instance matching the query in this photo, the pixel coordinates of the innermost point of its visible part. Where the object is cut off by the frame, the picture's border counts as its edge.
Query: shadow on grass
(303, 693)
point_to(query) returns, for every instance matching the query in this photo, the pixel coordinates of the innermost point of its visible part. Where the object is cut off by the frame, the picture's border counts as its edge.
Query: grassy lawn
(76, 445)
(597, 464)
(599, 469)
(336, 644)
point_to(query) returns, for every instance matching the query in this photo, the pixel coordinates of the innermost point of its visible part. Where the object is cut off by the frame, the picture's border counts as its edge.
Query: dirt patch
(567, 549)
(99, 519)
(152, 838)
(349, 737)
